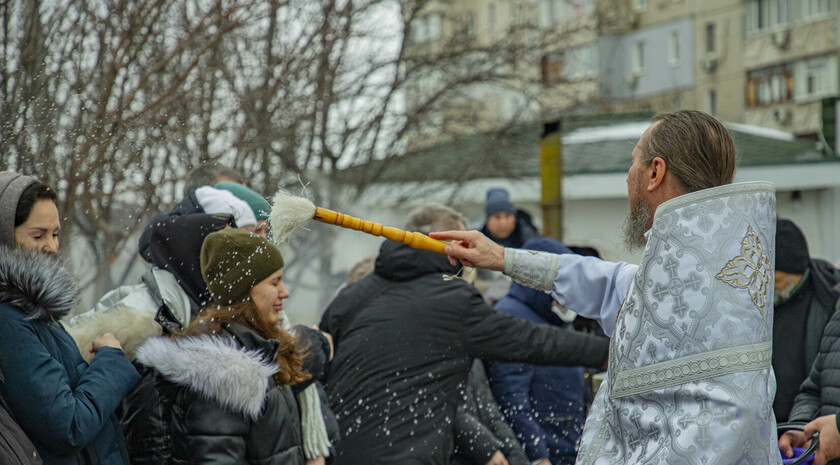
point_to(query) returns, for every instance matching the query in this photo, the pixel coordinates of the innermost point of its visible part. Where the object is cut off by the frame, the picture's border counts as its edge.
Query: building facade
(768, 63)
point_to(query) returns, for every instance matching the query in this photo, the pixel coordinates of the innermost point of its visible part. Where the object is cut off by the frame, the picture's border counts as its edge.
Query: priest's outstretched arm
(591, 287)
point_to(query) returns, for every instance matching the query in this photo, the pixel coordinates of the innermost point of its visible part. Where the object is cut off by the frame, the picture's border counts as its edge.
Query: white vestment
(689, 378)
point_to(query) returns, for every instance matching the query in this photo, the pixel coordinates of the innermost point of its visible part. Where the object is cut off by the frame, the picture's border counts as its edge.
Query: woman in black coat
(230, 372)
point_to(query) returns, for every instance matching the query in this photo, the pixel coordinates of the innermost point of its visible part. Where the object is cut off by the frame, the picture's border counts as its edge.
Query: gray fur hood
(39, 285)
(216, 367)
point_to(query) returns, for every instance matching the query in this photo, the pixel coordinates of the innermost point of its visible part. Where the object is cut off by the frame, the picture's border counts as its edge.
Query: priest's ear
(655, 174)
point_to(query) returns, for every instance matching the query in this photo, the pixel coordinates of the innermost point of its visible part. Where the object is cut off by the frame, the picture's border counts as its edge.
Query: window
(815, 78)
(491, 16)
(674, 48)
(765, 14)
(639, 58)
(470, 24)
(640, 5)
(771, 85)
(558, 11)
(809, 9)
(581, 63)
(424, 28)
(711, 102)
(710, 37)
(552, 68)
(514, 11)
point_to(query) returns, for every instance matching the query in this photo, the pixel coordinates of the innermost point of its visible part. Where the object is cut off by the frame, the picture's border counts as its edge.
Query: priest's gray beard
(637, 222)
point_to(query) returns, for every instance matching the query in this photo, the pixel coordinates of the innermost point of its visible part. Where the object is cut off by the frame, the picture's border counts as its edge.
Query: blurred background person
(545, 405)
(805, 296)
(505, 224)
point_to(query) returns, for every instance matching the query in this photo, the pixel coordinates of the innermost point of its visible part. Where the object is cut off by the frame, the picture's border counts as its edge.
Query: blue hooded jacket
(64, 405)
(543, 404)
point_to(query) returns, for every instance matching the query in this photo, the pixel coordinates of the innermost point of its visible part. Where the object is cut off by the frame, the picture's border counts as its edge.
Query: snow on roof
(633, 131)
(760, 131)
(623, 131)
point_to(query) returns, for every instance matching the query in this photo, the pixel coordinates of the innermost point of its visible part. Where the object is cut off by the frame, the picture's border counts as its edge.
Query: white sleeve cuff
(537, 270)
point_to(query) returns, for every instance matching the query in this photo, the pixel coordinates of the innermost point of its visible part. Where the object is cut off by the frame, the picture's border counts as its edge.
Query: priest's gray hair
(434, 217)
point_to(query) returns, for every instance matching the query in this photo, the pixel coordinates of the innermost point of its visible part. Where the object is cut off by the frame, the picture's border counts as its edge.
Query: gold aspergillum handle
(412, 239)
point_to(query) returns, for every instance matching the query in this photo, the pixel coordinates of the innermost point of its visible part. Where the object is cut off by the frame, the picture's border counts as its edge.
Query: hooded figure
(65, 406)
(408, 335)
(205, 199)
(805, 297)
(543, 404)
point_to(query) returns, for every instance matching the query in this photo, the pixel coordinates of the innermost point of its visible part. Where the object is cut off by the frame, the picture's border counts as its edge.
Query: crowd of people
(727, 328)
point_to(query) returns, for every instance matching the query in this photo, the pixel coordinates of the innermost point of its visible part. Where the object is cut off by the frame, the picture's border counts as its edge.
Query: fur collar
(214, 366)
(39, 285)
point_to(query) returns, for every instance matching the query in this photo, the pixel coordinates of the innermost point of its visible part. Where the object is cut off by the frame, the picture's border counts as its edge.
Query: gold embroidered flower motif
(750, 270)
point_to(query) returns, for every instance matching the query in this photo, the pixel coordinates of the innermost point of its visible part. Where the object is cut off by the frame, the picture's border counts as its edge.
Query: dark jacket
(544, 404)
(226, 407)
(146, 412)
(63, 404)
(480, 428)
(820, 393)
(15, 447)
(401, 366)
(523, 231)
(189, 204)
(817, 298)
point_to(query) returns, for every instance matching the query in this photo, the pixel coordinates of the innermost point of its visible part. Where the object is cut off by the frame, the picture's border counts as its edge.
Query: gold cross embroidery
(750, 270)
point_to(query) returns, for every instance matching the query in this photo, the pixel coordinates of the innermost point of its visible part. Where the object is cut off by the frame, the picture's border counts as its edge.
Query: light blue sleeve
(591, 287)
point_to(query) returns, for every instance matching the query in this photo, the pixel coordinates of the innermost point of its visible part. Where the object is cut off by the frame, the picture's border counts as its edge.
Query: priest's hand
(829, 448)
(473, 249)
(791, 439)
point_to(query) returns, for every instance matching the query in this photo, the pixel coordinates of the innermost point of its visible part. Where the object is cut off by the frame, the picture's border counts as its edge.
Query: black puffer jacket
(820, 393)
(146, 412)
(401, 365)
(225, 406)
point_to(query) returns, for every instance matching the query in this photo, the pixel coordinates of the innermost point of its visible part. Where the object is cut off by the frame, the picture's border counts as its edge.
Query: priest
(690, 378)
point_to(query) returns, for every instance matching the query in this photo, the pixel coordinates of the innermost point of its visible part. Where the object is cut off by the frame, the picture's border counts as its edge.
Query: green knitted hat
(233, 261)
(258, 204)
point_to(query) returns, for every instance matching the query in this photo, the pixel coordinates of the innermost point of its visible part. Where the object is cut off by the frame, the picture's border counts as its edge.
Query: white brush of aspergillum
(289, 214)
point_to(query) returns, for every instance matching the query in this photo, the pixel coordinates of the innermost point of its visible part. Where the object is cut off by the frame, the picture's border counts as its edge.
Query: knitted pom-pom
(289, 214)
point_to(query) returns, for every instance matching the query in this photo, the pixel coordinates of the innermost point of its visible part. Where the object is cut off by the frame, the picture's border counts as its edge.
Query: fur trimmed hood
(40, 286)
(215, 367)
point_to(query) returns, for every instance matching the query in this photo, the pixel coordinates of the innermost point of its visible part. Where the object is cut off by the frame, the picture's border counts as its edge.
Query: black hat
(791, 248)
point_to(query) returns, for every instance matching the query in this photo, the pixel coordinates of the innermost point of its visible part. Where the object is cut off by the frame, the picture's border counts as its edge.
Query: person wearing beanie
(545, 405)
(505, 224)
(64, 406)
(258, 204)
(234, 372)
(804, 298)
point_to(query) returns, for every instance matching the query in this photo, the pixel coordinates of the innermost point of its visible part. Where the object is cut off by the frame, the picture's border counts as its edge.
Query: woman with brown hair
(229, 373)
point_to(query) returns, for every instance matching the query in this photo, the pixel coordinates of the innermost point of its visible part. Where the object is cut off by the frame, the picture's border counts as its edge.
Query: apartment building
(768, 63)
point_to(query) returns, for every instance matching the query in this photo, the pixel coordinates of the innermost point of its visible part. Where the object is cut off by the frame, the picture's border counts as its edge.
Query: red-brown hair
(289, 355)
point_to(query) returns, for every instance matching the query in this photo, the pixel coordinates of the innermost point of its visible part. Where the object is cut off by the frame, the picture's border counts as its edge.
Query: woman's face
(40, 230)
(268, 296)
